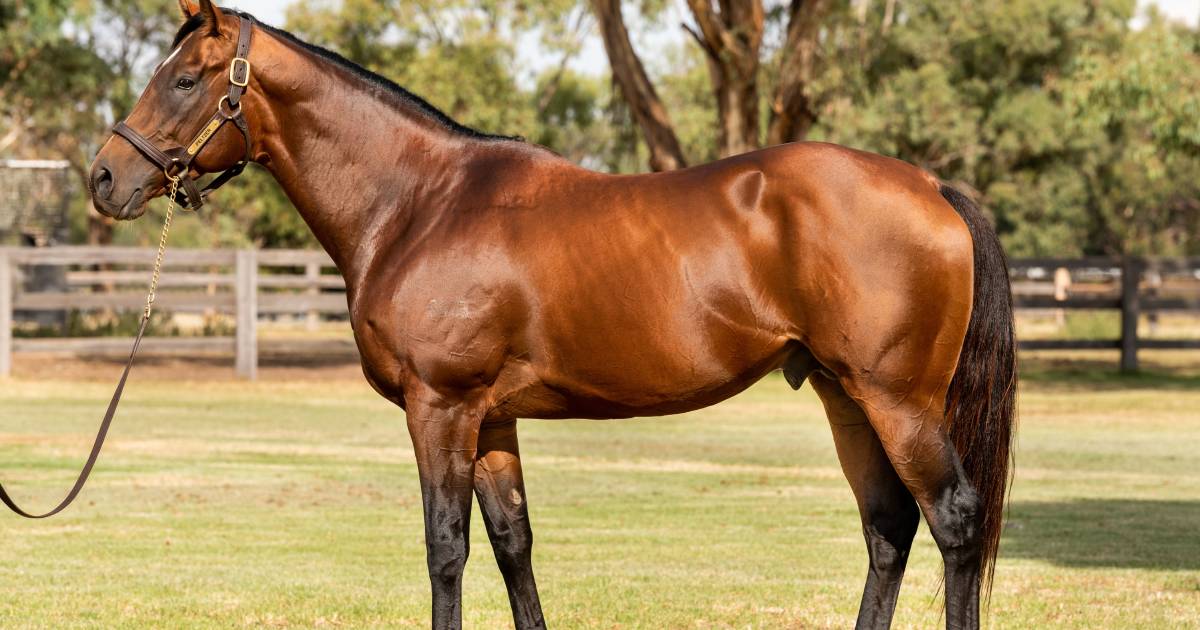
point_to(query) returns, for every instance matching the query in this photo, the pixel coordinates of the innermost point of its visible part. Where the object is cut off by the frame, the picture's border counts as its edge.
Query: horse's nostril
(103, 183)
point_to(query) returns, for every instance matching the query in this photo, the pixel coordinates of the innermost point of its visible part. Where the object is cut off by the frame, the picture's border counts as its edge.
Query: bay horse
(489, 279)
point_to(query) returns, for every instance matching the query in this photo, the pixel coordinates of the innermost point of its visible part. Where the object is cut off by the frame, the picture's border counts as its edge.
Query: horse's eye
(185, 84)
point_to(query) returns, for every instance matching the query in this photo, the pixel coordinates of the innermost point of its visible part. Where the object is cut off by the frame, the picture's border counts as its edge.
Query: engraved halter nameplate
(201, 139)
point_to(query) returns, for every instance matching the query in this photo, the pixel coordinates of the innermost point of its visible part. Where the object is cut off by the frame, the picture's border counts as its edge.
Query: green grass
(276, 504)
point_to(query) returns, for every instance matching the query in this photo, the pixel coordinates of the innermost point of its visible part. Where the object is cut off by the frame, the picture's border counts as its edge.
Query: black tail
(981, 402)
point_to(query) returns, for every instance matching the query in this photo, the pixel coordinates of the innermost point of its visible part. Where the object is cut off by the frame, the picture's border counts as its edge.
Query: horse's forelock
(190, 26)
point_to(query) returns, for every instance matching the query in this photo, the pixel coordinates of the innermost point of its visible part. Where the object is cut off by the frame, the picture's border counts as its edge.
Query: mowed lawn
(294, 503)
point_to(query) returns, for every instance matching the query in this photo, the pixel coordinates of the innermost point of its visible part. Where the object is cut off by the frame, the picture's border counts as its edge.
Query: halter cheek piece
(176, 162)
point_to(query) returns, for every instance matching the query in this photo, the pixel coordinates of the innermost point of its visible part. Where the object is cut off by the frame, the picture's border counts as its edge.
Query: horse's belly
(659, 367)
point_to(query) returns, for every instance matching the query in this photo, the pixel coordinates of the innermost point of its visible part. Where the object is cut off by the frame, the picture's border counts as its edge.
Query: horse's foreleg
(501, 492)
(444, 441)
(889, 513)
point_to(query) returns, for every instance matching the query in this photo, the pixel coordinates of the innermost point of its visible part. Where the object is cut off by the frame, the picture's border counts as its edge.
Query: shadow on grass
(1114, 533)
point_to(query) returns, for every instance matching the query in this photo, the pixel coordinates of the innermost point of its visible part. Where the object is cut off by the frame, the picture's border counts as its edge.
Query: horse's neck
(362, 171)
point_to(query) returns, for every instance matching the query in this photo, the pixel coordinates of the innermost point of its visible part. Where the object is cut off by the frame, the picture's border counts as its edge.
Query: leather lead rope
(116, 397)
(175, 164)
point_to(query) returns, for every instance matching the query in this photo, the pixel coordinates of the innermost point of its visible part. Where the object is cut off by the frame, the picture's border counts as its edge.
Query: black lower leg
(501, 491)
(889, 532)
(447, 544)
(955, 524)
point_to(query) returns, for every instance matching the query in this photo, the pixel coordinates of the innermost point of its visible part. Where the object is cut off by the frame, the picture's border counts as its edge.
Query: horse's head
(172, 114)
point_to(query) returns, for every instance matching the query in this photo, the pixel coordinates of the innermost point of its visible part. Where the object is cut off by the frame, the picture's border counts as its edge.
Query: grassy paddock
(295, 504)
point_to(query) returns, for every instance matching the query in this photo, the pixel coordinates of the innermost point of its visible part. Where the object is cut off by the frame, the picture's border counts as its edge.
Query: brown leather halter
(176, 162)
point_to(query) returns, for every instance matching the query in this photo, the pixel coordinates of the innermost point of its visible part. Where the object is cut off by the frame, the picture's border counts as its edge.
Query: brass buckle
(233, 66)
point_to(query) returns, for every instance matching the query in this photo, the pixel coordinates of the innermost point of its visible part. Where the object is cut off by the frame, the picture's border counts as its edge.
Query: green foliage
(66, 67)
(571, 121)
(430, 47)
(686, 93)
(1080, 134)
(104, 324)
(431, 55)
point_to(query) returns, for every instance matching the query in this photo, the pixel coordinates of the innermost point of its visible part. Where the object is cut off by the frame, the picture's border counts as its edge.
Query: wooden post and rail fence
(245, 283)
(1133, 286)
(249, 283)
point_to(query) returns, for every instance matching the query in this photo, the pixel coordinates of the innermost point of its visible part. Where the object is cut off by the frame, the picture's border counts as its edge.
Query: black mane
(379, 81)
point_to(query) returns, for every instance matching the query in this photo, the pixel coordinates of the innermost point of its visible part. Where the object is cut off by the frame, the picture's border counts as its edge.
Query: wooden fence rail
(244, 283)
(249, 283)
(1133, 286)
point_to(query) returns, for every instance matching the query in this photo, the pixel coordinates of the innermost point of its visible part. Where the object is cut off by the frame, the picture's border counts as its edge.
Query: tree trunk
(737, 111)
(792, 110)
(731, 38)
(637, 90)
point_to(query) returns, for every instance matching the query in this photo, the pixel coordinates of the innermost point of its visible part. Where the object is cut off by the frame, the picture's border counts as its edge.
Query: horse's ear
(189, 8)
(212, 16)
(204, 8)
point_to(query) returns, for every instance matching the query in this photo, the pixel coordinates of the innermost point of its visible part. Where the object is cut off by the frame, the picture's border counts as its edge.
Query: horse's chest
(434, 337)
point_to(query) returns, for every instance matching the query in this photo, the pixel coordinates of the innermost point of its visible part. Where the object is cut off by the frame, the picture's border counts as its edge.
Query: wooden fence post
(1131, 275)
(246, 273)
(312, 273)
(6, 315)
(1062, 288)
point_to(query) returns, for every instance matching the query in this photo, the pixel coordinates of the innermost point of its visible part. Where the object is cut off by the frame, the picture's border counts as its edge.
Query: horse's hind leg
(889, 513)
(501, 492)
(911, 430)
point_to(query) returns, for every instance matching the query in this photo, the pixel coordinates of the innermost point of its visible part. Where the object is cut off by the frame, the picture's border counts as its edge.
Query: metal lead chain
(162, 246)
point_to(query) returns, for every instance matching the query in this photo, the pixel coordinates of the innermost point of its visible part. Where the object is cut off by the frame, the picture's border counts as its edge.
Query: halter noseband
(176, 162)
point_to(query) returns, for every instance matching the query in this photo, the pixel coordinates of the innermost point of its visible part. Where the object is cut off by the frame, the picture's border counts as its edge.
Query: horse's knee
(507, 521)
(513, 546)
(447, 559)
